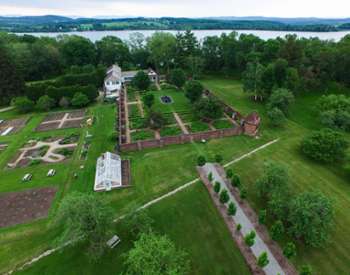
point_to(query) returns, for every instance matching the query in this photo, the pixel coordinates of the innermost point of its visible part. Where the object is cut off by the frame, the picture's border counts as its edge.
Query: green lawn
(179, 102)
(304, 174)
(160, 170)
(189, 218)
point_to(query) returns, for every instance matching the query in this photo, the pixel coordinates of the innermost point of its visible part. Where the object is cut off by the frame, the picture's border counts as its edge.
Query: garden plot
(62, 120)
(21, 207)
(51, 150)
(12, 126)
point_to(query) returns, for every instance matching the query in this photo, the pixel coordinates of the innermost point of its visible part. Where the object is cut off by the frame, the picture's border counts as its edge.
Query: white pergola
(108, 172)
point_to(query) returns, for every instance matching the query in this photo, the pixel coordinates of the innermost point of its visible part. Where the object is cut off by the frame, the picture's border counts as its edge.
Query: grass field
(158, 171)
(180, 102)
(189, 219)
(154, 173)
(334, 258)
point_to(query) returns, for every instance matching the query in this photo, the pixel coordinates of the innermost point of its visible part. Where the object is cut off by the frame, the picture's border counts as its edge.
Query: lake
(200, 34)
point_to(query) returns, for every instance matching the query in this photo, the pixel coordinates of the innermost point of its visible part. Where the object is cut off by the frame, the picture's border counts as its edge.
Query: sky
(178, 8)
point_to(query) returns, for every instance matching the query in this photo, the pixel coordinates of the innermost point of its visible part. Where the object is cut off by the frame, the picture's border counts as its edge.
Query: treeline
(63, 24)
(297, 64)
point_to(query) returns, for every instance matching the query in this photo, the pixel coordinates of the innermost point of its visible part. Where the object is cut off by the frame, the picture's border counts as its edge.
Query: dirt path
(150, 203)
(157, 134)
(180, 123)
(139, 105)
(127, 124)
(231, 120)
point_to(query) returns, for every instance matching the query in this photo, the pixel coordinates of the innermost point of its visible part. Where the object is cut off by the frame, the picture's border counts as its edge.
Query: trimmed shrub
(290, 250)
(262, 216)
(218, 158)
(235, 181)
(232, 209)
(249, 239)
(201, 161)
(263, 260)
(224, 197)
(217, 187)
(229, 173)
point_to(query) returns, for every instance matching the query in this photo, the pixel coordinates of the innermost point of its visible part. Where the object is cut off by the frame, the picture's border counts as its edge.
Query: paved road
(273, 268)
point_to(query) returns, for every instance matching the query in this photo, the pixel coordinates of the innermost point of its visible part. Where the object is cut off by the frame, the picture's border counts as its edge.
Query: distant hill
(33, 20)
(53, 23)
(290, 21)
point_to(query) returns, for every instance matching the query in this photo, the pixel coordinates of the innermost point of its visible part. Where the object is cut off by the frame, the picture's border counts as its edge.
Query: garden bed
(222, 124)
(198, 126)
(142, 135)
(21, 207)
(170, 131)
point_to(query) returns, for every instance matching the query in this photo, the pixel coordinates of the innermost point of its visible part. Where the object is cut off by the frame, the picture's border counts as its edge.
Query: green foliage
(263, 259)
(217, 187)
(274, 188)
(236, 181)
(310, 218)
(139, 223)
(218, 158)
(178, 78)
(305, 270)
(232, 209)
(224, 197)
(277, 117)
(249, 239)
(23, 104)
(85, 217)
(201, 161)
(325, 145)
(155, 120)
(281, 99)
(290, 250)
(148, 100)
(239, 227)
(229, 173)
(193, 90)
(262, 216)
(210, 177)
(277, 230)
(141, 81)
(155, 254)
(80, 100)
(45, 103)
(11, 81)
(208, 109)
(243, 192)
(334, 111)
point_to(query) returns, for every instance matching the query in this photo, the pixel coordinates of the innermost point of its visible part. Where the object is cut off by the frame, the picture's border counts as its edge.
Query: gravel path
(180, 123)
(259, 246)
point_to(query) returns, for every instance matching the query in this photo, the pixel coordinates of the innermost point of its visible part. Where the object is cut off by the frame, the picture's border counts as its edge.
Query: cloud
(179, 8)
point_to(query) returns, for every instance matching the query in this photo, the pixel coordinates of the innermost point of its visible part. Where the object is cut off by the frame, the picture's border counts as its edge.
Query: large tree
(156, 255)
(77, 50)
(85, 217)
(325, 145)
(281, 99)
(252, 80)
(162, 48)
(208, 109)
(311, 217)
(111, 50)
(193, 90)
(11, 81)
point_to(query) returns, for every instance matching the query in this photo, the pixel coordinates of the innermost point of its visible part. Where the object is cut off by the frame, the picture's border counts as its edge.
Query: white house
(115, 80)
(108, 172)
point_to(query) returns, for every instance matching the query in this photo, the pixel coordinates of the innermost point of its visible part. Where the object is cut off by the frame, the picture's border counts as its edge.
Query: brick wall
(155, 143)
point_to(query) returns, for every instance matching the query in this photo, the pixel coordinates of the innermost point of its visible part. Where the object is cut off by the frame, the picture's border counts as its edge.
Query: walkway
(139, 105)
(126, 108)
(6, 109)
(259, 246)
(180, 123)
